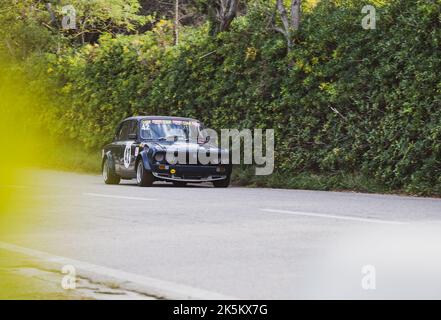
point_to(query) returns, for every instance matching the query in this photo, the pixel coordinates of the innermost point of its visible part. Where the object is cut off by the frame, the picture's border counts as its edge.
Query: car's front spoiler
(174, 178)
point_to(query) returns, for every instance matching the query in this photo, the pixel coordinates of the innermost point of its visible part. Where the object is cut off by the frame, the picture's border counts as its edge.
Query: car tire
(222, 183)
(109, 175)
(144, 178)
(179, 184)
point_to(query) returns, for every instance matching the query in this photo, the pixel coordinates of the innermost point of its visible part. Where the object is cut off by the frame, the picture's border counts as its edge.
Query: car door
(114, 148)
(131, 149)
(119, 147)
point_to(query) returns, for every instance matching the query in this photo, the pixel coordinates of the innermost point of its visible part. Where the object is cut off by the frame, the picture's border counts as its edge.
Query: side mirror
(133, 136)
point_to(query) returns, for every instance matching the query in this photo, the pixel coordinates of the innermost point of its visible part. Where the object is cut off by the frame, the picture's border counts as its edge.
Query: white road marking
(147, 285)
(117, 197)
(332, 216)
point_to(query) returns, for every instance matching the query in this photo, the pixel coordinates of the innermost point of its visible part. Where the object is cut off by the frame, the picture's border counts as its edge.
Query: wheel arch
(143, 156)
(108, 156)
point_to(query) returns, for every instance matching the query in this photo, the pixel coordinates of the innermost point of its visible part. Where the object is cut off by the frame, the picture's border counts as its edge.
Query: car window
(134, 127)
(118, 132)
(161, 129)
(124, 132)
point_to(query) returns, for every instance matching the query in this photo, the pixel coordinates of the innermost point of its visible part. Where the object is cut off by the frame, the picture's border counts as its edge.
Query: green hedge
(344, 101)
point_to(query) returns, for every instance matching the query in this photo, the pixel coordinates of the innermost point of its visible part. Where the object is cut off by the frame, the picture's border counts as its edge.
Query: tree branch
(283, 15)
(295, 14)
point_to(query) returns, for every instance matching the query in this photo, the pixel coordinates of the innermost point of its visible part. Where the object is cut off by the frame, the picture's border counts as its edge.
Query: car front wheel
(109, 176)
(143, 178)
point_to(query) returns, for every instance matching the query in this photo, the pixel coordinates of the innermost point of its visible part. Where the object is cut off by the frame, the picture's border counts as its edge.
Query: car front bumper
(174, 178)
(191, 173)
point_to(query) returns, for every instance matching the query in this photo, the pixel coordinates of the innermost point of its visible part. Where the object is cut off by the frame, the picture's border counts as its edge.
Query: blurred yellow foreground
(19, 140)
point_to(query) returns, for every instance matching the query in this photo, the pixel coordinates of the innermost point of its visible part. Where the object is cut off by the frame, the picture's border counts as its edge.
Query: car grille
(191, 156)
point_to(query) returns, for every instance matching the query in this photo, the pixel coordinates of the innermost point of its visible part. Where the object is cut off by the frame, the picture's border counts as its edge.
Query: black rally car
(153, 148)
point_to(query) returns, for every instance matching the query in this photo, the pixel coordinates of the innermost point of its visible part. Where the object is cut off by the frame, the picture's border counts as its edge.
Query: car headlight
(172, 156)
(172, 159)
(159, 157)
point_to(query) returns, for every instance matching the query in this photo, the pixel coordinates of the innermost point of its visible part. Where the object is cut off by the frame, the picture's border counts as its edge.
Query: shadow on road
(167, 185)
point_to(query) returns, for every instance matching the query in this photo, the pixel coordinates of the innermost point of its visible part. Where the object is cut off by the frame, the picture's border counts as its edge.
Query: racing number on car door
(115, 147)
(128, 149)
(120, 146)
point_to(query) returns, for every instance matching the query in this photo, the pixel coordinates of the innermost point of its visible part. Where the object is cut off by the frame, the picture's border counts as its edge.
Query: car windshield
(170, 130)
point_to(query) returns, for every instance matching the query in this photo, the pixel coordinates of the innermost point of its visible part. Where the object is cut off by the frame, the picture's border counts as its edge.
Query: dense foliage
(344, 100)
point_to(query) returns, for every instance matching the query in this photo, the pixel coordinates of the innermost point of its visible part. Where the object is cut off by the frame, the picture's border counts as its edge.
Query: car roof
(160, 118)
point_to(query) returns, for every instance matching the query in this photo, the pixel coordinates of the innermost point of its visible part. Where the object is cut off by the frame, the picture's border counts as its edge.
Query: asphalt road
(237, 242)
